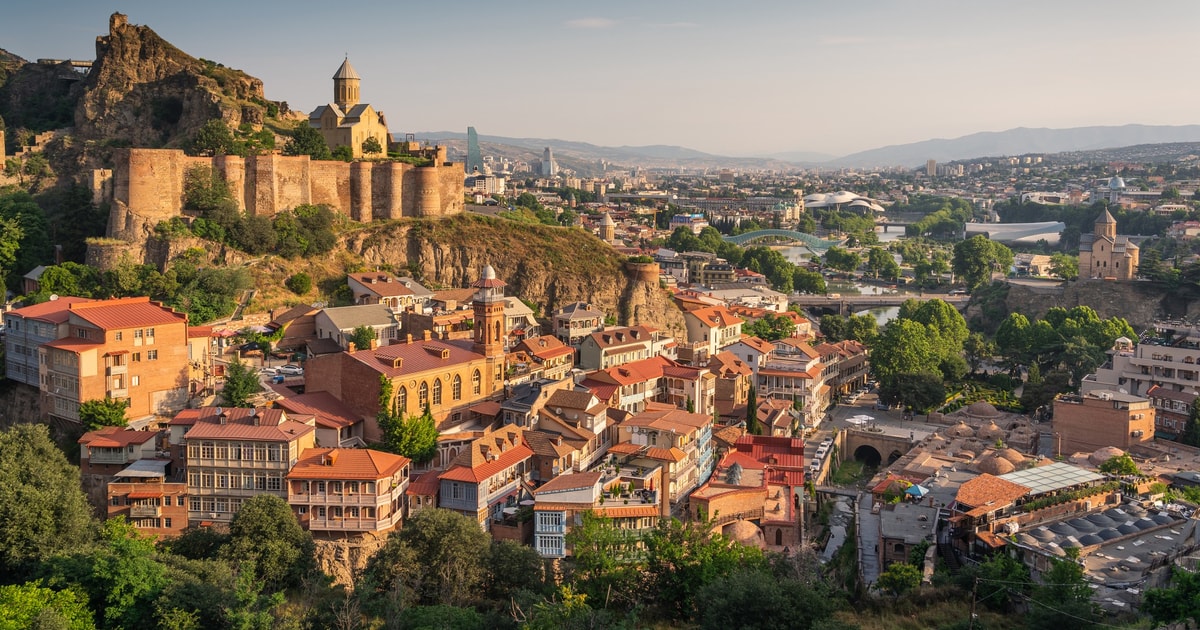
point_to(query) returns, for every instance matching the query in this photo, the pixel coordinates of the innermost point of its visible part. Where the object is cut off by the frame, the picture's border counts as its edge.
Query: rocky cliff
(547, 265)
(146, 92)
(1140, 303)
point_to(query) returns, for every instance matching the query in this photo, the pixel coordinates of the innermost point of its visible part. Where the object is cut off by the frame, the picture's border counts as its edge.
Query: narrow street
(868, 540)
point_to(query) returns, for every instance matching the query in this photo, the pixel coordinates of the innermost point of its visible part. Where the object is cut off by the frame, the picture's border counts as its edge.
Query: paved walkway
(868, 540)
(839, 518)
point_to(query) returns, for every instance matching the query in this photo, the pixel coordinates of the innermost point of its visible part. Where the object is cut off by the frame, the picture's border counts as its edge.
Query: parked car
(290, 370)
(881, 406)
(960, 292)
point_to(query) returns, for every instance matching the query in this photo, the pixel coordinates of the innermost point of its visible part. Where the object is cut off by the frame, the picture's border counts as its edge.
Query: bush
(299, 284)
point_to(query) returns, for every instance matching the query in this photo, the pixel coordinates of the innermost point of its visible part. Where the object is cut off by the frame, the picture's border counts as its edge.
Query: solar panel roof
(1053, 477)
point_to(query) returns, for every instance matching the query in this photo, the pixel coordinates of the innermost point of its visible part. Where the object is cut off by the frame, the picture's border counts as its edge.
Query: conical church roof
(346, 71)
(1107, 217)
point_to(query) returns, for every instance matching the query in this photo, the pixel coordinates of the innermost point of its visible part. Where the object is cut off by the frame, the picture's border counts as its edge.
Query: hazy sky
(736, 78)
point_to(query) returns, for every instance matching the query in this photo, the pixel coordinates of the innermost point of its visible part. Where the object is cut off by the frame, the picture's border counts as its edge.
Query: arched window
(497, 337)
(423, 394)
(456, 392)
(778, 537)
(437, 391)
(476, 387)
(401, 400)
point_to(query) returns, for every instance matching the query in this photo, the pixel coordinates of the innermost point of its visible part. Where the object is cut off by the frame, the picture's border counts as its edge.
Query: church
(1103, 254)
(345, 121)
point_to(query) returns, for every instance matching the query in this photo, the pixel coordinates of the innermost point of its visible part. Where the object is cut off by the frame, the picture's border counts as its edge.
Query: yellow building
(345, 121)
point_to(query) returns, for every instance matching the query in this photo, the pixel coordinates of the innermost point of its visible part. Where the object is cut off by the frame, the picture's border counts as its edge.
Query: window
(351, 487)
(137, 357)
(437, 391)
(260, 483)
(116, 500)
(475, 383)
(273, 453)
(195, 504)
(368, 512)
(303, 509)
(222, 481)
(456, 392)
(423, 395)
(351, 512)
(549, 521)
(222, 505)
(206, 450)
(320, 511)
(179, 500)
(335, 487)
(369, 487)
(222, 449)
(152, 355)
(456, 490)
(401, 400)
(320, 487)
(194, 479)
(274, 483)
(206, 480)
(117, 336)
(135, 380)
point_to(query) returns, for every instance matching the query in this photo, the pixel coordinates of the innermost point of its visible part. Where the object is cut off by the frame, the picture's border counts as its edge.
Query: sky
(730, 78)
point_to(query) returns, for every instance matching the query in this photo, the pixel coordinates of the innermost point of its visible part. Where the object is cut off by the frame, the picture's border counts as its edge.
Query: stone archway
(868, 455)
(893, 457)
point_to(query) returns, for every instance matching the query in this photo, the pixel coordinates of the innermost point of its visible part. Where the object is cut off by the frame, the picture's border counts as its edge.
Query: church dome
(346, 71)
(606, 219)
(1116, 183)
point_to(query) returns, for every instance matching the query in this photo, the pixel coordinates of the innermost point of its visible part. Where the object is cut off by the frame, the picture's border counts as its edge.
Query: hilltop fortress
(147, 187)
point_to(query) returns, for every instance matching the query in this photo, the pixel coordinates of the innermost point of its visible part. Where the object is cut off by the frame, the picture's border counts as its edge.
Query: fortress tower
(345, 86)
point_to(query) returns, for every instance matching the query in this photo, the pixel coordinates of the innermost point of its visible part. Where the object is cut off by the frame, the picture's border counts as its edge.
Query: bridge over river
(846, 304)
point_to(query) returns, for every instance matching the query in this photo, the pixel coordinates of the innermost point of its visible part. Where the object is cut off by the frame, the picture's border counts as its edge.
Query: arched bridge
(877, 448)
(812, 242)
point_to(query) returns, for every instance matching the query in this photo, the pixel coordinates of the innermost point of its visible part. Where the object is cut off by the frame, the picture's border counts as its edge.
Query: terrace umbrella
(916, 491)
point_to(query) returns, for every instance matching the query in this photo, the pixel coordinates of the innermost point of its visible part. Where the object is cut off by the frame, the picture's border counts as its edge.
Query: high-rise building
(549, 166)
(931, 168)
(474, 159)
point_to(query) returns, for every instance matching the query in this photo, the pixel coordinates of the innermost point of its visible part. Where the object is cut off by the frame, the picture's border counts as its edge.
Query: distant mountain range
(1019, 141)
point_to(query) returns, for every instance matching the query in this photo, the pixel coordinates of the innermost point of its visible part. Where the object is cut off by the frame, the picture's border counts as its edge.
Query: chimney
(350, 348)
(374, 343)
(428, 335)
(408, 338)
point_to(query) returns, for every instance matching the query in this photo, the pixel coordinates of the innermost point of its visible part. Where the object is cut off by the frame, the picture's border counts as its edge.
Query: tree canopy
(977, 258)
(103, 412)
(241, 382)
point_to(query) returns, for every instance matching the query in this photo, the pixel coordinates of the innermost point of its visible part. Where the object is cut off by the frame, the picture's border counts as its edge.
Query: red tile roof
(116, 437)
(53, 311)
(617, 337)
(988, 491)
(757, 343)
(418, 356)
(545, 348)
(672, 454)
(199, 331)
(73, 344)
(330, 412)
(426, 484)
(479, 473)
(121, 313)
(347, 463)
(715, 316)
(624, 448)
(384, 286)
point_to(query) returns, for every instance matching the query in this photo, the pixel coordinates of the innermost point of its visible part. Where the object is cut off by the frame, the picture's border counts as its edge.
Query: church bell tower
(489, 314)
(345, 86)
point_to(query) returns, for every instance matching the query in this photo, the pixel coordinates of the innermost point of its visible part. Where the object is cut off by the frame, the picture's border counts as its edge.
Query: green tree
(881, 264)
(1178, 601)
(1064, 266)
(513, 567)
(240, 383)
(976, 258)
(770, 327)
(362, 337)
(439, 557)
(1063, 600)
(1013, 338)
(921, 391)
(759, 600)
(32, 605)
(1001, 582)
(752, 425)
(342, 153)
(682, 558)
(977, 349)
(265, 534)
(412, 437)
(834, 327)
(1191, 431)
(371, 146)
(862, 328)
(42, 508)
(899, 578)
(601, 553)
(299, 283)
(103, 412)
(308, 141)
(1120, 465)
(842, 259)
(805, 281)
(213, 138)
(905, 346)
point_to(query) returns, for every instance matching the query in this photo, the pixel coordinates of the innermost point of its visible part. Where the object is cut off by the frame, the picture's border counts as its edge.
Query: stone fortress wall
(147, 187)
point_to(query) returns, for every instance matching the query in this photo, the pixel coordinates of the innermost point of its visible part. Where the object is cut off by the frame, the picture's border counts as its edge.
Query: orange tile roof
(347, 463)
(576, 481)
(617, 337)
(73, 344)
(479, 473)
(123, 313)
(663, 419)
(726, 363)
(812, 373)
(757, 343)
(989, 491)
(53, 311)
(545, 347)
(672, 454)
(426, 484)
(286, 431)
(633, 372)
(715, 316)
(990, 539)
(385, 286)
(624, 448)
(116, 437)
(199, 331)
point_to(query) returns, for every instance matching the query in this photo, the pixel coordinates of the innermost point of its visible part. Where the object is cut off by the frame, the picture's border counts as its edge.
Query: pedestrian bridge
(810, 241)
(847, 304)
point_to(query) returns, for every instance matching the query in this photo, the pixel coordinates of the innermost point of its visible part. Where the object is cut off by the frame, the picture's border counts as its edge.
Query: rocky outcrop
(343, 559)
(549, 266)
(1140, 303)
(145, 92)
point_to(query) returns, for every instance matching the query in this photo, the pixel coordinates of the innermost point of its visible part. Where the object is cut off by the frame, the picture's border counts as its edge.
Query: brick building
(26, 329)
(348, 490)
(144, 496)
(1101, 418)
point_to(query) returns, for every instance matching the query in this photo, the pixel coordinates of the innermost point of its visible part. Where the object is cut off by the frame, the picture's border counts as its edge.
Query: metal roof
(1056, 476)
